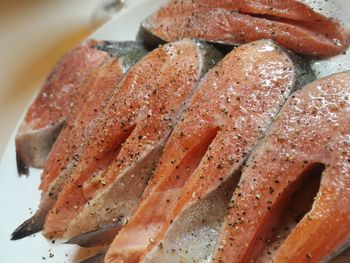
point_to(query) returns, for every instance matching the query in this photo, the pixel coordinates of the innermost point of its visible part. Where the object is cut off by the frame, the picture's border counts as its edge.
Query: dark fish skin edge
(101, 236)
(212, 56)
(149, 40)
(29, 227)
(305, 75)
(35, 223)
(48, 137)
(99, 258)
(22, 167)
(131, 52)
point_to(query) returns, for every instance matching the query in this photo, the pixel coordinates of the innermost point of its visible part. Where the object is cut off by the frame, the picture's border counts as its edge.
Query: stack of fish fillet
(208, 140)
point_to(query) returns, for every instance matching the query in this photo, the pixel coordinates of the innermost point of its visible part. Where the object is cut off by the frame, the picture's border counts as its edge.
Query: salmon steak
(230, 111)
(122, 150)
(98, 88)
(58, 99)
(311, 133)
(221, 135)
(290, 23)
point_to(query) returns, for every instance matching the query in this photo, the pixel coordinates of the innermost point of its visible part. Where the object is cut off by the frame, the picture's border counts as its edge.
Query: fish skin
(127, 199)
(129, 52)
(121, 198)
(99, 258)
(32, 148)
(343, 257)
(122, 55)
(57, 99)
(224, 97)
(98, 88)
(236, 22)
(30, 226)
(127, 136)
(312, 128)
(103, 236)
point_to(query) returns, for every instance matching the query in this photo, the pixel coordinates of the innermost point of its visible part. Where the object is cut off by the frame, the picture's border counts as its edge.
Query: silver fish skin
(117, 54)
(195, 226)
(123, 195)
(56, 101)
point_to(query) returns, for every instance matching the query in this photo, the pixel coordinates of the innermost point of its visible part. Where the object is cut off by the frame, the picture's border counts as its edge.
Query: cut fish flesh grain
(167, 159)
(313, 128)
(99, 88)
(96, 90)
(290, 23)
(58, 99)
(299, 203)
(129, 135)
(188, 196)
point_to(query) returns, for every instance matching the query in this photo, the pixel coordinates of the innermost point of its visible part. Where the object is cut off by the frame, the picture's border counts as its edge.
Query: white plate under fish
(19, 196)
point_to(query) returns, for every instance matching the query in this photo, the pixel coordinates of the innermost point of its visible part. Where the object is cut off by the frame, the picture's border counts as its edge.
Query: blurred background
(34, 34)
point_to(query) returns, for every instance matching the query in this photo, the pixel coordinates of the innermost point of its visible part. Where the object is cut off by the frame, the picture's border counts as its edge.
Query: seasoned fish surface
(290, 23)
(58, 99)
(131, 131)
(230, 111)
(97, 89)
(313, 128)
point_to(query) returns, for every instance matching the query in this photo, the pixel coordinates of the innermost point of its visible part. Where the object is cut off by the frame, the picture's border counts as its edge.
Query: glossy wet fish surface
(290, 23)
(95, 91)
(227, 115)
(207, 139)
(57, 101)
(130, 132)
(312, 129)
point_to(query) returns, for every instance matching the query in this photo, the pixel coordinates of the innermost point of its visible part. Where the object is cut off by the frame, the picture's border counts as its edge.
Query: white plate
(19, 196)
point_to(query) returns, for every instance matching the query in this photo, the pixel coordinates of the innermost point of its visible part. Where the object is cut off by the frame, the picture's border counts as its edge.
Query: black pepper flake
(219, 166)
(271, 190)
